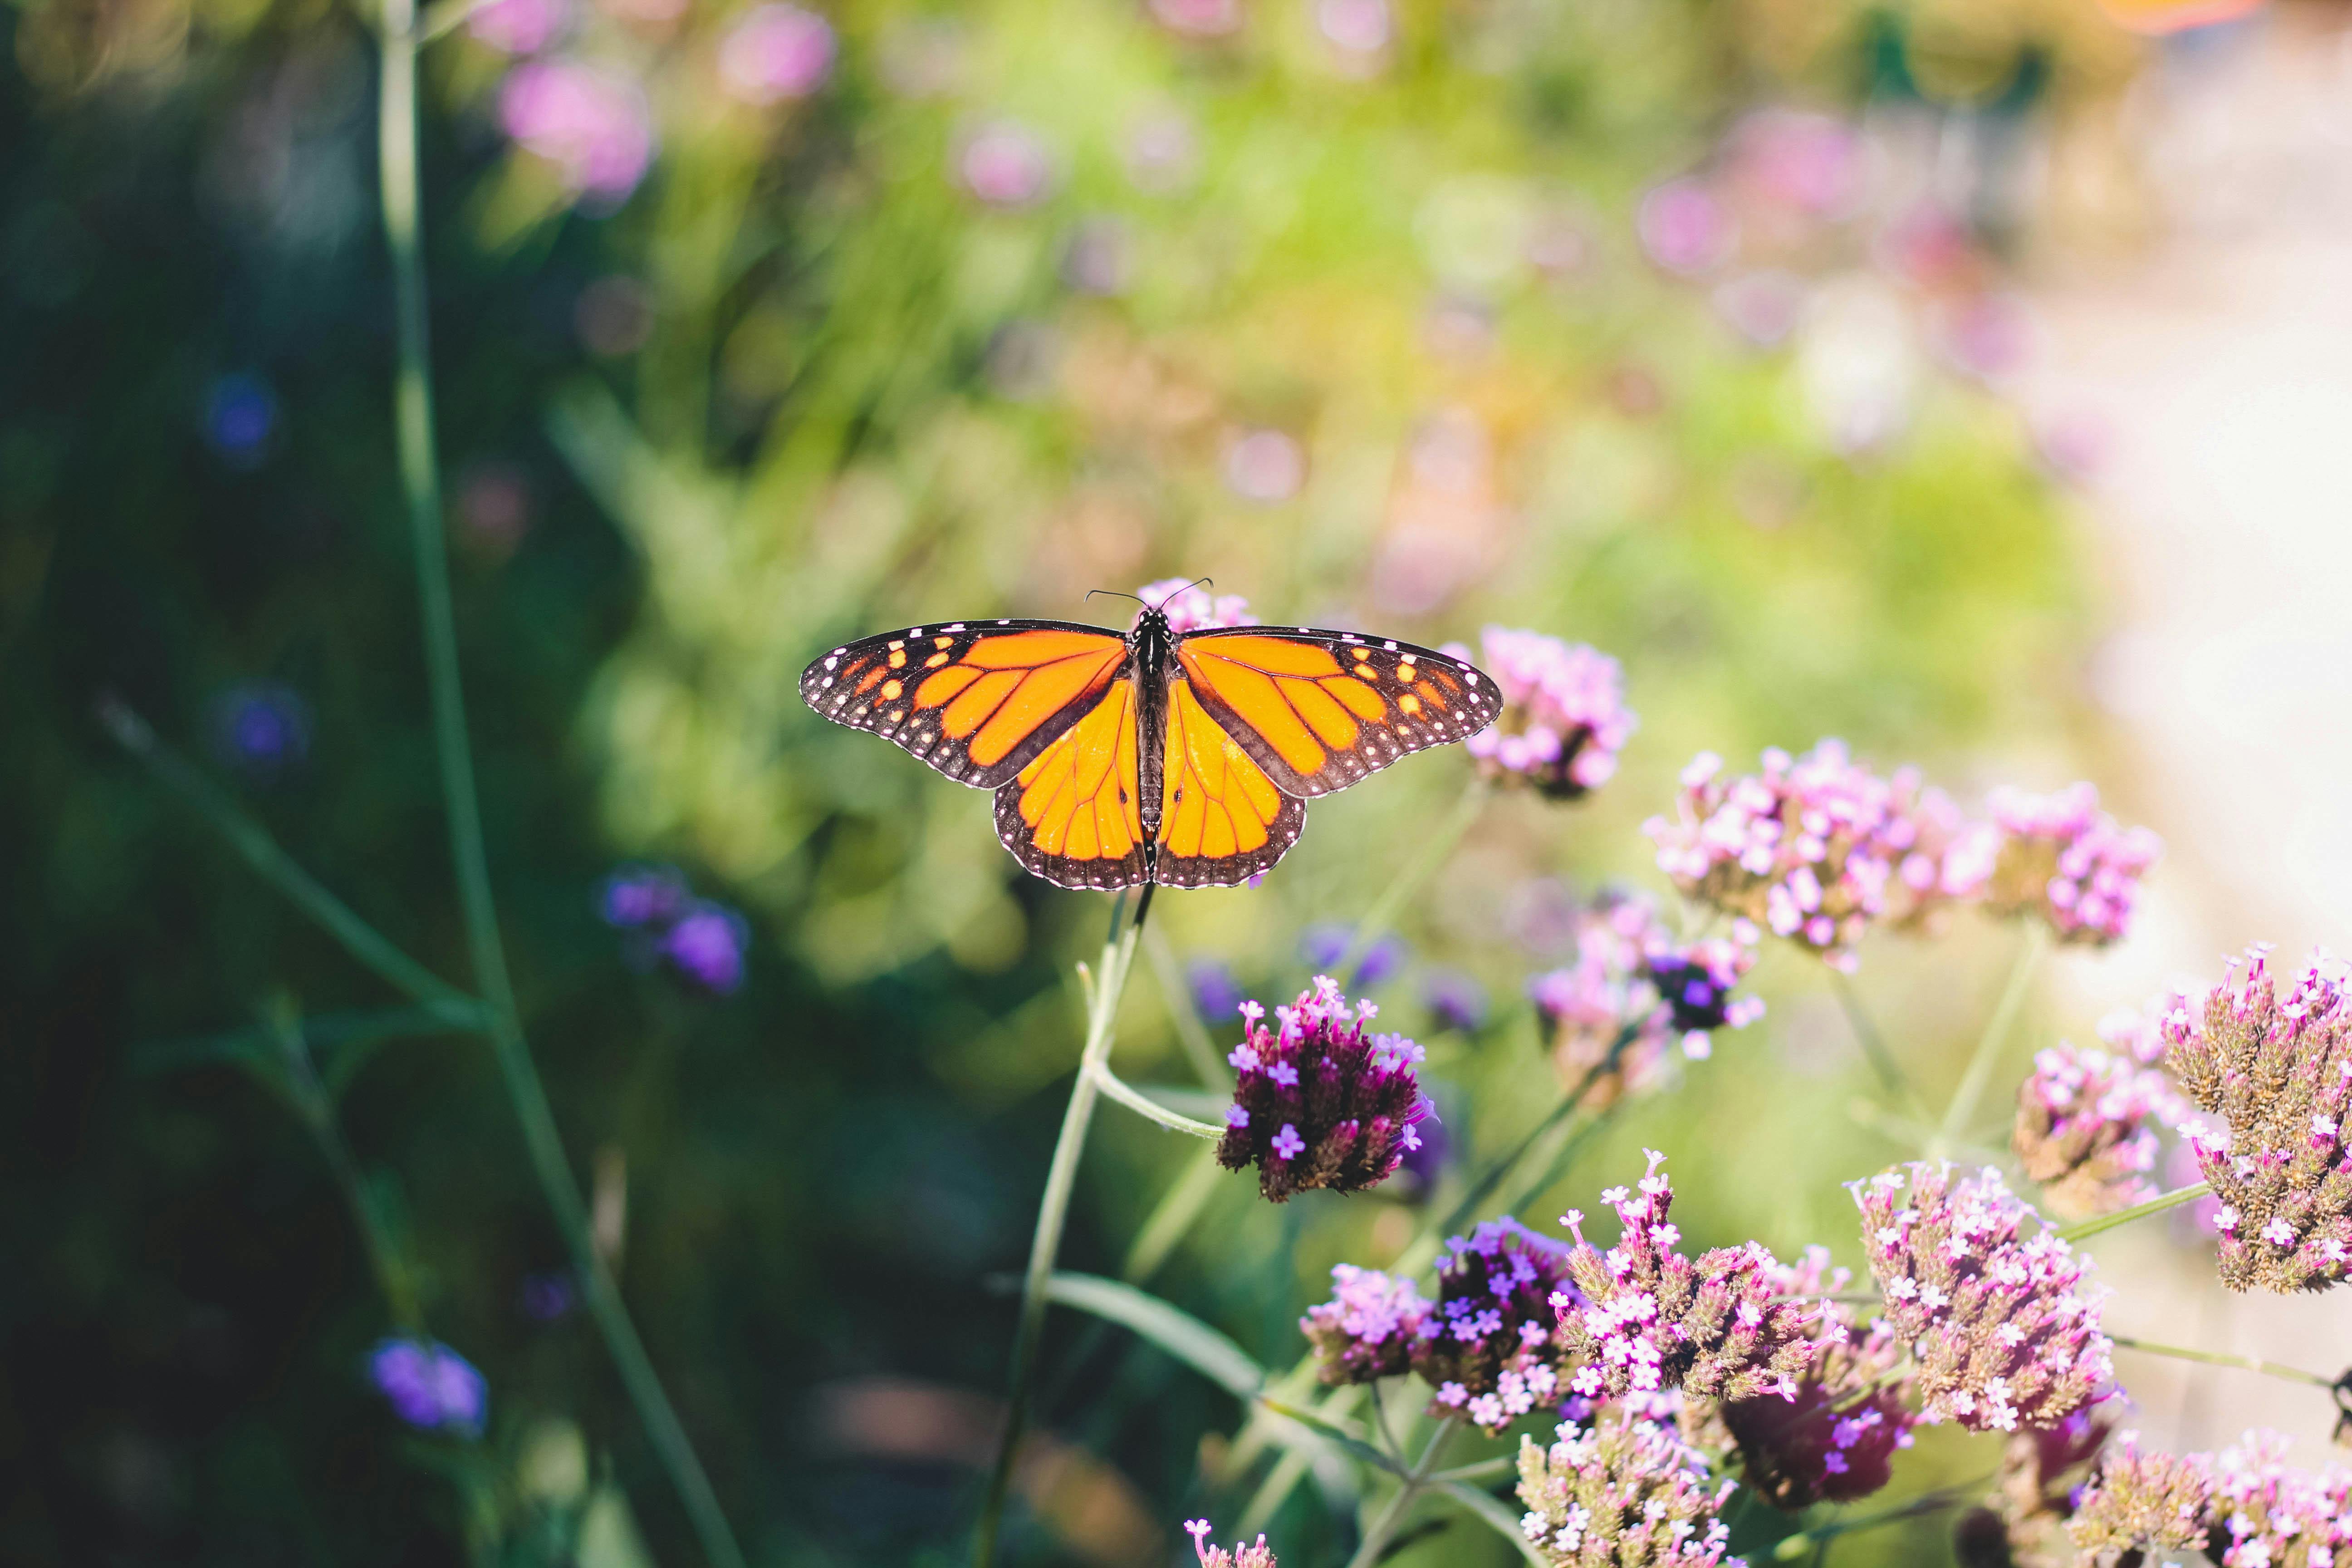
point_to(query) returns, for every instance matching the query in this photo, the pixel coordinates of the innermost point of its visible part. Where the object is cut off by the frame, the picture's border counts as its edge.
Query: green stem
(1987, 1052)
(1795, 1546)
(1416, 871)
(1891, 1076)
(1053, 1211)
(1484, 1470)
(2218, 1358)
(2171, 1200)
(1143, 1105)
(420, 481)
(1409, 1490)
(260, 851)
(316, 1111)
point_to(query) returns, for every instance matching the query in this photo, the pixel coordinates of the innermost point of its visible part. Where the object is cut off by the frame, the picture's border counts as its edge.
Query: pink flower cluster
(1192, 608)
(2245, 1506)
(2064, 859)
(1376, 1325)
(2003, 1329)
(1622, 1492)
(775, 52)
(2086, 1124)
(1258, 1556)
(1633, 990)
(1318, 1101)
(2277, 1067)
(591, 125)
(1490, 1359)
(1644, 1318)
(1564, 717)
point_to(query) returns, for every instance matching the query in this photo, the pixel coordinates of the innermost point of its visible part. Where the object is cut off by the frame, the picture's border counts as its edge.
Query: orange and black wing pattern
(1320, 709)
(978, 700)
(1073, 815)
(1222, 820)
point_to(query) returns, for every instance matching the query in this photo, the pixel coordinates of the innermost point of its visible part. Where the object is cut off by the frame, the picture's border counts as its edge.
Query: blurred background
(1966, 378)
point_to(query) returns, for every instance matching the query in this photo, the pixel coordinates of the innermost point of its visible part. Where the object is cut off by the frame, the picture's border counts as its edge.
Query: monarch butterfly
(1181, 759)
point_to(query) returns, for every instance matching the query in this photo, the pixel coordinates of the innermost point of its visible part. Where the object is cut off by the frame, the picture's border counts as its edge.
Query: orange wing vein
(1321, 709)
(1074, 815)
(977, 700)
(1222, 820)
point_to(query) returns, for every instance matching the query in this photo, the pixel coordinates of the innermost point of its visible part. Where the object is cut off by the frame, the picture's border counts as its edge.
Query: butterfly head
(1151, 638)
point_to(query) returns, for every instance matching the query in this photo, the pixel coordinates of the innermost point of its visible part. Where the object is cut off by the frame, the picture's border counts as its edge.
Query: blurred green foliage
(803, 383)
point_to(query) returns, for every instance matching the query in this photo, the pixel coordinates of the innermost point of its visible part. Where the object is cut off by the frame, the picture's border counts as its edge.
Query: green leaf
(1340, 1437)
(1496, 1512)
(1172, 1329)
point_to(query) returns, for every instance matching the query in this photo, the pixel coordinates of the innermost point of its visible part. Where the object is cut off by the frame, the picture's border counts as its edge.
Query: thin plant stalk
(2222, 1358)
(1409, 880)
(1805, 1541)
(2157, 1205)
(420, 482)
(1408, 1492)
(1174, 1215)
(1979, 1073)
(1891, 1076)
(1104, 990)
(1143, 1105)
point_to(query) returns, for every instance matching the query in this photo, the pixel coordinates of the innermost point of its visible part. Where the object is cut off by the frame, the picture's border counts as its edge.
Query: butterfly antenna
(1110, 594)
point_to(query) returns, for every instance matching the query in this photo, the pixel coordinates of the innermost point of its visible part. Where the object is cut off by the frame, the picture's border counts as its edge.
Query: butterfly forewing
(1321, 709)
(1222, 821)
(1074, 815)
(978, 700)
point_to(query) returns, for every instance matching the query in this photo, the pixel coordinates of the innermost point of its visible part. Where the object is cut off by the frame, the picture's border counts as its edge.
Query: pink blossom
(1564, 717)
(1189, 607)
(2064, 859)
(1683, 228)
(1004, 164)
(775, 52)
(593, 125)
(519, 26)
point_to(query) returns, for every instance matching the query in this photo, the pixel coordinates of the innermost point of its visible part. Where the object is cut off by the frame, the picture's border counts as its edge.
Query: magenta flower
(775, 52)
(1809, 164)
(1491, 1357)
(2277, 1068)
(1942, 858)
(1004, 164)
(2086, 1128)
(1683, 228)
(591, 125)
(1258, 1556)
(2004, 1331)
(1189, 607)
(1633, 990)
(1318, 1101)
(1376, 1325)
(2272, 1516)
(1622, 1493)
(519, 26)
(1644, 1318)
(2064, 859)
(706, 946)
(431, 1385)
(1564, 717)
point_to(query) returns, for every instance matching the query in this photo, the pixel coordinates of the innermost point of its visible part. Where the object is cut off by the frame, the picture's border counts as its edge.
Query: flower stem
(1987, 1052)
(1795, 1546)
(1376, 1539)
(1891, 1076)
(1409, 880)
(1053, 1212)
(2157, 1205)
(420, 480)
(1143, 1105)
(2220, 1358)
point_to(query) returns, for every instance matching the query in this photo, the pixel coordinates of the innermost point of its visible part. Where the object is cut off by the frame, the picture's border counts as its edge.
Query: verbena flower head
(2276, 1067)
(2063, 859)
(1835, 1439)
(706, 946)
(1804, 849)
(591, 125)
(775, 52)
(1693, 981)
(1622, 1493)
(1645, 1317)
(1376, 1325)
(2003, 1329)
(1258, 1556)
(1942, 858)
(430, 1385)
(1191, 607)
(1320, 1103)
(1491, 1359)
(1564, 717)
(637, 896)
(2138, 1502)
(2267, 1514)
(1631, 992)
(2086, 1129)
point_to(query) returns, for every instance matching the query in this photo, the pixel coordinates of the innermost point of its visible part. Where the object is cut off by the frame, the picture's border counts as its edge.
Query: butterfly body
(1182, 759)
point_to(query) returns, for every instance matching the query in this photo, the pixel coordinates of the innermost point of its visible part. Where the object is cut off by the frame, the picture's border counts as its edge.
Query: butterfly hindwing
(1320, 709)
(978, 700)
(1222, 820)
(1074, 815)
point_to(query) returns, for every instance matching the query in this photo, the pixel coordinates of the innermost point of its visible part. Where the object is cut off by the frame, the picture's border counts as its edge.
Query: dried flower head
(1836, 1438)
(1318, 1101)
(1645, 1317)
(2003, 1327)
(2138, 1501)
(1622, 1493)
(430, 1385)
(1491, 1359)
(1564, 717)
(2278, 1070)
(2267, 1514)
(2064, 859)
(2086, 1129)
(1805, 847)
(1258, 1556)
(2040, 1468)
(1191, 607)
(1375, 1325)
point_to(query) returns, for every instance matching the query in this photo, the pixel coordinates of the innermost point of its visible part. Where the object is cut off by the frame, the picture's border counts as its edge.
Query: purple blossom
(706, 946)
(1256, 1556)
(1325, 1103)
(1683, 228)
(2274, 1517)
(1491, 1359)
(775, 52)
(1811, 164)
(1191, 607)
(1622, 1493)
(591, 125)
(2005, 1332)
(430, 1385)
(1564, 717)
(2086, 1128)
(1454, 1000)
(1376, 1325)
(1216, 992)
(1631, 992)
(1006, 165)
(519, 26)
(637, 896)
(261, 728)
(2063, 859)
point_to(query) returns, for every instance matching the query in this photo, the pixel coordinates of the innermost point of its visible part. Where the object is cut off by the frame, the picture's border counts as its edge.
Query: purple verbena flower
(775, 52)
(706, 946)
(2275, 1065)
(2136, 1502)
(637, 896)
(1564, 717)
(591, 125)
(2267, 1515)
(1622, 1493)
(1684, 229)
(1191, 608)
(1258, 1556)
(430, 1385)
(2063, 859)
(1645, 1317)
(1633, 990)
(517, 26)
(2086, 1128)
(1215, 992)
(2003, 1329)
(1491, 1359)
(1454, 1000)
(1006, 165)
(1320, 1103)
(1376, 1325)
(261, 728)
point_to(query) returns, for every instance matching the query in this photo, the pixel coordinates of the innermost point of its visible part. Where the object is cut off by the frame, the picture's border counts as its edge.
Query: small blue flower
(260, 728)
(1454, 1000)
(637, 896)
(240, 415)
(431, 1386)
(706, 946)
(1215, 992)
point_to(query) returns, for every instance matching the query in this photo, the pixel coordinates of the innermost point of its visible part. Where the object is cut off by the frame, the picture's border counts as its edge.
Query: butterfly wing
(1222, 820)
(1073, 815)
(977, 700)
(1320, 709)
